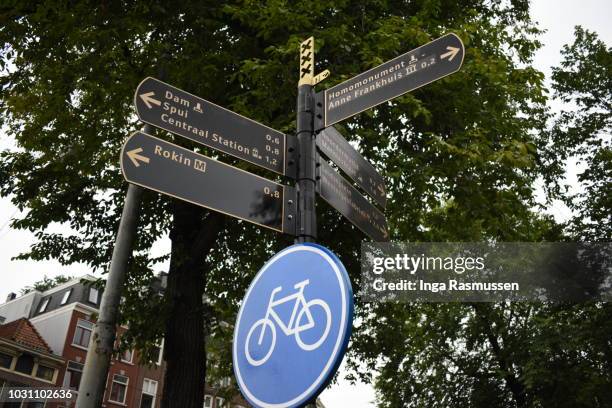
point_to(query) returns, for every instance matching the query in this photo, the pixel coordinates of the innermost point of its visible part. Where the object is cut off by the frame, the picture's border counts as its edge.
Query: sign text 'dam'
(172, 109)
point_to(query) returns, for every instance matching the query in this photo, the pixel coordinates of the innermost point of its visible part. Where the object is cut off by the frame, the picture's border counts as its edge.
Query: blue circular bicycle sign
(293, 327)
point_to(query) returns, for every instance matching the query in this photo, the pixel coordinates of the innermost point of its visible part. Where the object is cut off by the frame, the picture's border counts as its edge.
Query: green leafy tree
(583, 83)
(490, 355)
(46, 283)
(69, 72)
(512, 354)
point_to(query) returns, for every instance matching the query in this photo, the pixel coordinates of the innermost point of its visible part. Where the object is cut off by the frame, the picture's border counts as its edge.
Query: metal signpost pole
(307, 217)
(93, 382)
(306, 173)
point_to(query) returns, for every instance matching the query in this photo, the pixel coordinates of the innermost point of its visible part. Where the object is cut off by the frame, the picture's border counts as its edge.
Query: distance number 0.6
(273, 139)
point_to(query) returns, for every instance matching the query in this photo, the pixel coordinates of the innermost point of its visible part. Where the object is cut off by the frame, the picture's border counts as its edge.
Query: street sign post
(181, 173)
(391, 79)
(295, 321)
(333, 145)
(293, 327)
(187, 115)
(341, 195)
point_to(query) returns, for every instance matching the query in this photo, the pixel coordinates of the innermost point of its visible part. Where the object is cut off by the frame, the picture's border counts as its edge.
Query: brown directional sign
(349, 202)
(402, 74)
(334, 146)
(187, 115)
(181, 173)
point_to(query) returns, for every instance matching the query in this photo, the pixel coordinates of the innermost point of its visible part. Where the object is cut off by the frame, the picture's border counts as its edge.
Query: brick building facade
(53, 329)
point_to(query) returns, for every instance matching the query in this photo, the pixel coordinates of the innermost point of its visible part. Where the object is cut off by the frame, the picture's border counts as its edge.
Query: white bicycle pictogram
(295, 326)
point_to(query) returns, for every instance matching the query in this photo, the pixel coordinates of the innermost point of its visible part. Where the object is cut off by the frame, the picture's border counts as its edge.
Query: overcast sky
(558, 17)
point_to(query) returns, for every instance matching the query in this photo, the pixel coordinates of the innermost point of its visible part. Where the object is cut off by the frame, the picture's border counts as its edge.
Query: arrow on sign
(452, 51)
(197, 119)
(200, 180)
(134, 156)
(320, 76)
(147, 98)
(402, 74)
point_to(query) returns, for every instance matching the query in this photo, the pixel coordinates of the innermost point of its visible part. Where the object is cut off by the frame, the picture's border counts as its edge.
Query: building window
(6, 360)
(208, 401)
(219, 402)
(82, 333)
(118, 389)
(157, 359)
(149, 390)
(25, 364)
(93, 295)
(45, 373)
(43, 305)
(66, 297)
(72, 379)
(127, 356)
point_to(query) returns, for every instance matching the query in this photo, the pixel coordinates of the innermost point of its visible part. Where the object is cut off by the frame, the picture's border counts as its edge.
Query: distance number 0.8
(269, 192)
(273, 150)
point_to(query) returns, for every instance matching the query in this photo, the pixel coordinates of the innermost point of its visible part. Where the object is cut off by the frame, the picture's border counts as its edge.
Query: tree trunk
(513, 383)
(192, 238)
